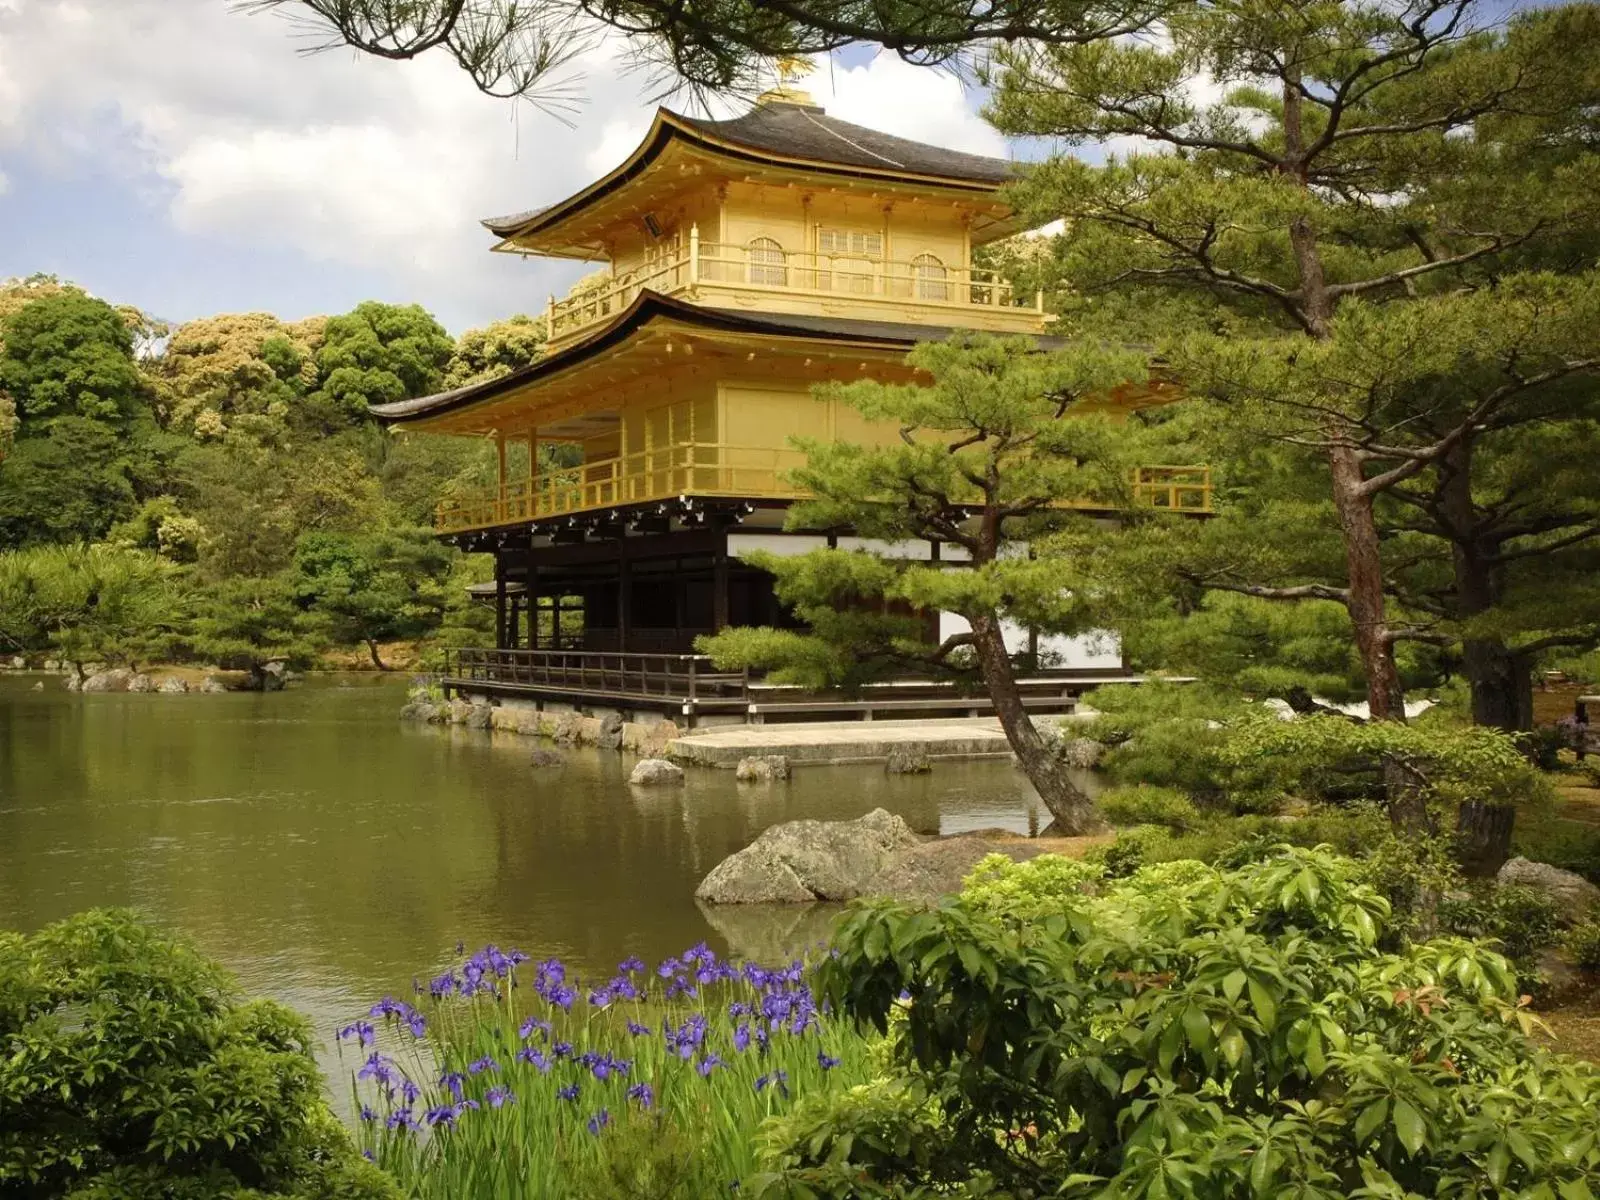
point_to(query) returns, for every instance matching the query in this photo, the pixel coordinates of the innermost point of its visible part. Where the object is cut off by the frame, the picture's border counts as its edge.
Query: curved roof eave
(667, 126)
(648, 306)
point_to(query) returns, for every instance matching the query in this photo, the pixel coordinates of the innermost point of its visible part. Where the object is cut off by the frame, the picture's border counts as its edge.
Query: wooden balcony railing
(714, 469)
(689, 679)
(709, 266)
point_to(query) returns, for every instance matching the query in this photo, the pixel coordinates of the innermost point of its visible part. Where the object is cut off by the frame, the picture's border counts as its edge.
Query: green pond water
(330, 854)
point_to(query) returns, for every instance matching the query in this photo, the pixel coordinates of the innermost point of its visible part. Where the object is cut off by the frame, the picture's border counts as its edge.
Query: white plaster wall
(1098, 651)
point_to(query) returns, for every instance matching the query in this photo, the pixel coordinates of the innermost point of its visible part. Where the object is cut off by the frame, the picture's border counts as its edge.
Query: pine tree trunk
(1502, 685)
(1073, 812)
(1364, 561)
(372, 649)
(1483, 836)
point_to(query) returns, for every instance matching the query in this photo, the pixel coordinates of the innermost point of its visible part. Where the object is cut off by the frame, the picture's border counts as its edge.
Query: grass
(652, 1084)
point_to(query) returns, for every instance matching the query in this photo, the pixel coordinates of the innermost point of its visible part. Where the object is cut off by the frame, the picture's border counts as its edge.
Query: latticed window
(930, 280)
(848, 259)
(768, 263)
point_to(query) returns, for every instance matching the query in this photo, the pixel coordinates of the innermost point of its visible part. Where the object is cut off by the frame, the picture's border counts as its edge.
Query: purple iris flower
(638, 1030)
(668, 968)
(778, 1079)
(401, 1118)
(599, 1121)
(455, 1081)
(631, 965)
(562, 997)
(826, 1061)
(741, 1037)
(361, 1030)
(562, 1050)
(498, 1095)
(443, 1114)
(409, 1091)
(529, 1055)
(644, 1094)
(486, 1063)
(527, 1028)
(570, 1092)
(367, 1114)
(707, 1064)
(380, 1068)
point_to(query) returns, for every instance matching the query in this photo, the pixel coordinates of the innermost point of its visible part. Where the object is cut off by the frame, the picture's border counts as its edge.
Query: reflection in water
(329, 853)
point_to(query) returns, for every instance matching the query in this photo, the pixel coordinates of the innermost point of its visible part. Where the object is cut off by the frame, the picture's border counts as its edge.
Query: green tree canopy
(372, 588)
(69, 355)
(375, 354)
(987, 455)
(495, 350)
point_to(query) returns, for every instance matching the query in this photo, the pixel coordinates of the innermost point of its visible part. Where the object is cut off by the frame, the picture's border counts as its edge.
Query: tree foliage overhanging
(217, 490)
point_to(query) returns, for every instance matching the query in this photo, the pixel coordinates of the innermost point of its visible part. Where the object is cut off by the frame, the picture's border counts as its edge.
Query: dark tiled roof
(806, 131)
(796, 131)
(648, 306)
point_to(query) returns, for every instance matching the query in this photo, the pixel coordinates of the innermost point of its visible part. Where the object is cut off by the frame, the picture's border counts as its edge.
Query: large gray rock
(172, 686)
(1574, 895)
(908, 760)
(762, 768)
(212, 686)
(610, 735)
(924, 873)
(274, 676)
(809, 860)
(422, 711)
(117, 679)
(650, 772)
(479, 716)
(1083, 753)
(543, 757)
(141, 683)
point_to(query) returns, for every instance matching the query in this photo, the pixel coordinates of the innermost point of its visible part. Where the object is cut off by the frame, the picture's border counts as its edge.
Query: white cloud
(890, 94)
(348, 160)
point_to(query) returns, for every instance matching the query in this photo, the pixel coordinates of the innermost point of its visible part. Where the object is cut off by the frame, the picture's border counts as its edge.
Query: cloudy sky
(190, 160)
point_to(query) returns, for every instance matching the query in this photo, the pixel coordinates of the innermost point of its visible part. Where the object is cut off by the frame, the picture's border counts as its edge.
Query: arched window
(929, 279)
(767, 263)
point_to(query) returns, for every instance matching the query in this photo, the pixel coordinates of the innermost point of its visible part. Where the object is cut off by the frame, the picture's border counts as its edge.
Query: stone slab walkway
(843, 741)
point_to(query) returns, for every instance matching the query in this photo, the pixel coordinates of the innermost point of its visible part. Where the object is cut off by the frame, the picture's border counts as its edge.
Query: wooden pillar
(533, 597)
(500, 600)
(624, 594)
(719, 586)
(500, 463)
(555, 621)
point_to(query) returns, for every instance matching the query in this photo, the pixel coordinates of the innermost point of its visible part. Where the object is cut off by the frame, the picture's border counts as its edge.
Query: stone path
(843, 741)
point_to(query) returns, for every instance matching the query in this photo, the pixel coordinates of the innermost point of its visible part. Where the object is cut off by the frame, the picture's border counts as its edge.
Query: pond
(329, 853)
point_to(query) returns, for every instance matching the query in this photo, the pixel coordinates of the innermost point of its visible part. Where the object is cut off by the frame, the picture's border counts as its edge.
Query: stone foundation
(562, 725)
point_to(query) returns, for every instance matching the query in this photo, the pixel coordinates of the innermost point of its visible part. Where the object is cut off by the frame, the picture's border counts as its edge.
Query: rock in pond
(1083, 753)
(117, 679)
(809, 860)
(609, 736)
(543, 757)
(141, 683)
(930, 870)
(212, 686)
(908, 760)
(423, 711)
(172, 686)
(1574, 895)
(650, 772)
(762, 768)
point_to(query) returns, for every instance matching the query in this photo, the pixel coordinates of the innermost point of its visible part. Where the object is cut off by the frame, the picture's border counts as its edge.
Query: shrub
(1583, 945)
(1146, 804)
(1570, 845)
(130, 1069)
(1519, 921)
(1045, 888)
(1189, 1032)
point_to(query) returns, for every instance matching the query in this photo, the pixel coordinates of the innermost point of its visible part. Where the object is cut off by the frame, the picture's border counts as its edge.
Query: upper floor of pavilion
(783, 209)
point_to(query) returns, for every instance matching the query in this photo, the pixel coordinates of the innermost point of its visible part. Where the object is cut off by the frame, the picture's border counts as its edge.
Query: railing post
(694, 254)
(1038, 300)
(550, 319)
(694, 664)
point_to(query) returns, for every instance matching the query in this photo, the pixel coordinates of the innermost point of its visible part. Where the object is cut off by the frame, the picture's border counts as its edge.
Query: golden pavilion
(744, 261)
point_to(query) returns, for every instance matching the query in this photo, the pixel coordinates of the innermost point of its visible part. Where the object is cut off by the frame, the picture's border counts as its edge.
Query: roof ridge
(848, 142)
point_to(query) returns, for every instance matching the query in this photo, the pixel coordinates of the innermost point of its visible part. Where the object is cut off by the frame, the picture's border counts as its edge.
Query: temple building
(742, 262)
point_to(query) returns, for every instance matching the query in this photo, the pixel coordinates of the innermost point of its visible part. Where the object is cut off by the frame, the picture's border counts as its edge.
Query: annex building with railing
(741, 263)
